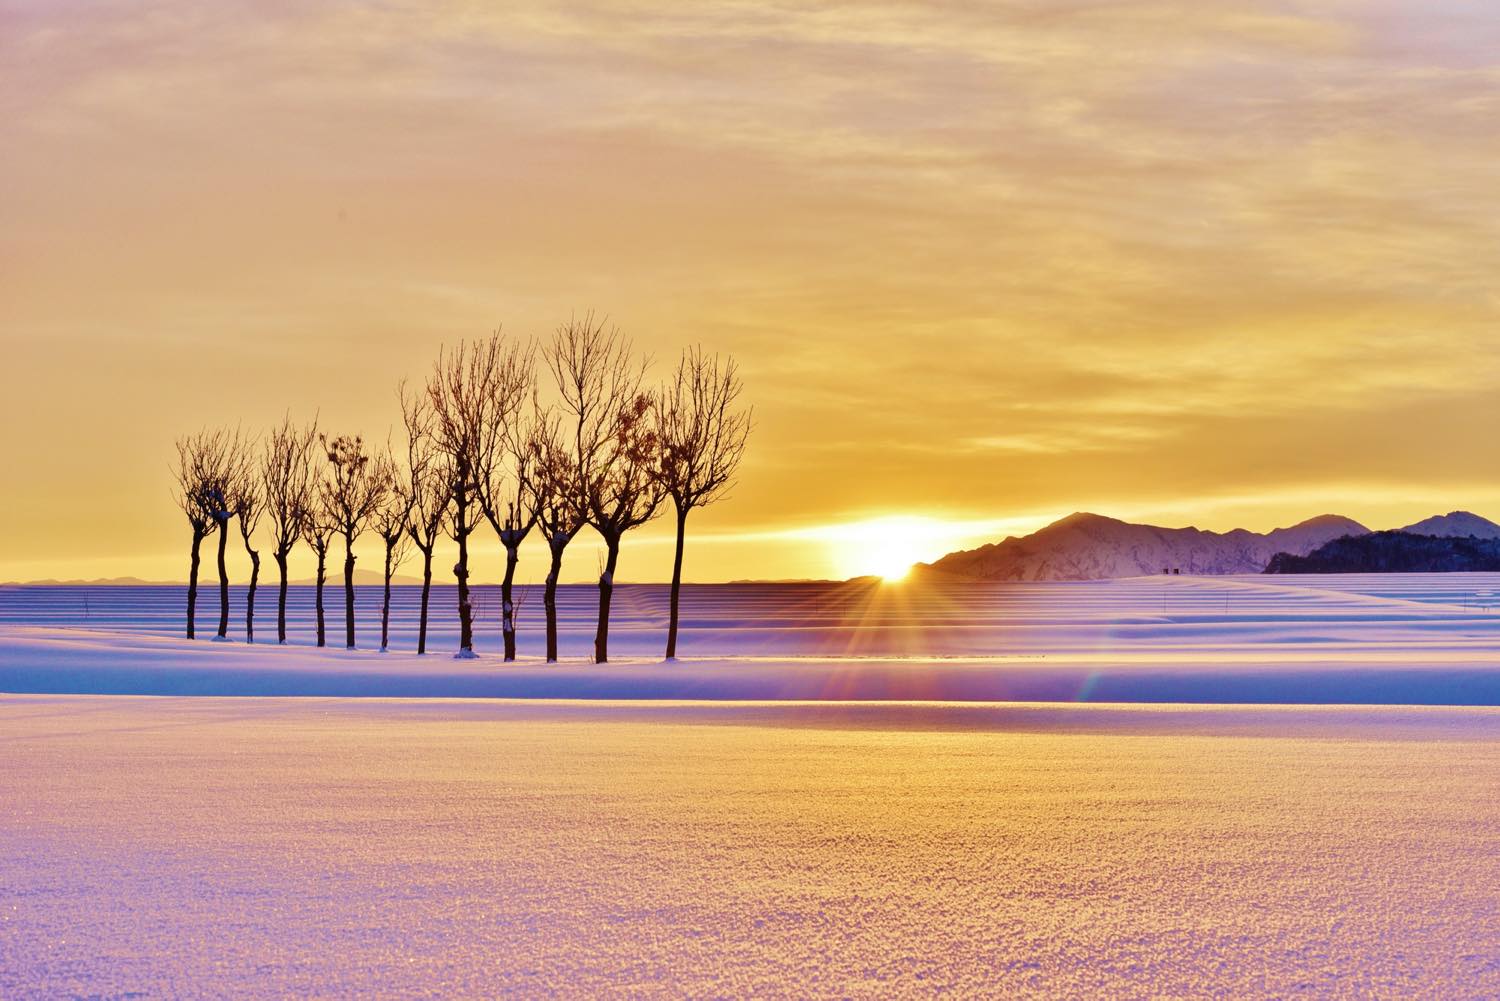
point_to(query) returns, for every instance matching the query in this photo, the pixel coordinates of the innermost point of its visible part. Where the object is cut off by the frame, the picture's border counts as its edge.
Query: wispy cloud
(974, 257)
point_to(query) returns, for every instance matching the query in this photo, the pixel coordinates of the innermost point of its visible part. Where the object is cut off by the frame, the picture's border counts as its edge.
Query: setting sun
(889, 563)
(888, 547)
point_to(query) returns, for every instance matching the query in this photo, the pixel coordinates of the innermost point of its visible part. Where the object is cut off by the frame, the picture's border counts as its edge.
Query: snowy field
(308, 847)
(840, 790)
(1394, 639)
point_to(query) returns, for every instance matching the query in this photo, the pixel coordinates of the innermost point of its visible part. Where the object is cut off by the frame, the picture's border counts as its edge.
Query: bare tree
(352, 492)
(701, 434)
(231, 460)
(247, 500)
(318, 530)
(201, 487)
(623, 493)
(461, 394)
(614, 440)
(507, 471)
(288, 481)
(559, 508)
(425, 493)
(389, 522)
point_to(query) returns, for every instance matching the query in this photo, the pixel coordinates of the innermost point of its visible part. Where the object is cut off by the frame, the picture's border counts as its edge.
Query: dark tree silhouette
(426, 492)
(289, 480)
(461, 394)
(513, 514)
(614, 440)
(389, 522)
(623, 493)
(701, 434)
(317, 531)
(200, 474)
(353, 490)
(220, 498)
(247, 500)
(559, 508)
(507, 472)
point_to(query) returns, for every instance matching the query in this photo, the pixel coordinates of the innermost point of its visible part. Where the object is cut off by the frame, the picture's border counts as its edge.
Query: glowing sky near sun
(983, 264)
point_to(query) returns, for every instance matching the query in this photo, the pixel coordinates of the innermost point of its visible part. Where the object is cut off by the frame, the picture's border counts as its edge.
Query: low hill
(1394, 552)
(95, 582)
(1090, 546)
(361, 577)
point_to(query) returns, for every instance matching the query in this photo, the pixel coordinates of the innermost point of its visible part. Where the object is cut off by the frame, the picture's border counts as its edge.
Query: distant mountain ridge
(1086, 546)
(94, 582)
(1455, 524)
(210, 581)
(1090, 547)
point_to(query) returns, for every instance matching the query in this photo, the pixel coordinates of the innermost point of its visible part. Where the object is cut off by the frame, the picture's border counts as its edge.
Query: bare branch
(506, 473)
(427, 488)
(355, 485)
(289, 478)
(391, 518)
(559, 508)
(701, 430)
(602, 405)
(203, 472)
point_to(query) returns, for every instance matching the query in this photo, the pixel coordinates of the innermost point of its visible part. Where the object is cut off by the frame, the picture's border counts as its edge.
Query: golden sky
(983, 264)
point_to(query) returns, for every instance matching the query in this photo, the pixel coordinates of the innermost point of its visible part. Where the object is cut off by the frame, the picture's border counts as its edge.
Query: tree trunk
(385, 606)
(507, 605)
(606, 590)
(549, 600)
(193, 581)
(322, 577)
(426, 591)
(348, 592)
(223, 581)
(250, 595)
(465, 610)
(676, 584)
(281, 599)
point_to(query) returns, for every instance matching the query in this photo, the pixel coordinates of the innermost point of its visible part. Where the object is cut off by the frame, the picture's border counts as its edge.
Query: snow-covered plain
(1399, 639)
(308, 847)
(841, 790)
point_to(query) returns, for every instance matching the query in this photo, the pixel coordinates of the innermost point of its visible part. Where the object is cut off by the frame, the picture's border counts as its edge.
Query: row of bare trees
(484, 444)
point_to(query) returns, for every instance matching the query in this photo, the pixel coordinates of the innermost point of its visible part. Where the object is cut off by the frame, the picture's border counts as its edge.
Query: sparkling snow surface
(288, 847)
(1393, 639)
(715, 836)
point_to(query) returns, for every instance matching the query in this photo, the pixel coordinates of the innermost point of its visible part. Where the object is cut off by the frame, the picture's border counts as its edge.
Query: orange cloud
(978, 261)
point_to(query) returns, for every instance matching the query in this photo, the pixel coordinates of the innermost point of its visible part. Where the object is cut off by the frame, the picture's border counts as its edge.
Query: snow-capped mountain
(1091, 546)
(1456, 524)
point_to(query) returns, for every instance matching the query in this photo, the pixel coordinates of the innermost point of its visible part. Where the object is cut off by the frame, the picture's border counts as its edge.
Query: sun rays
(889, 547)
